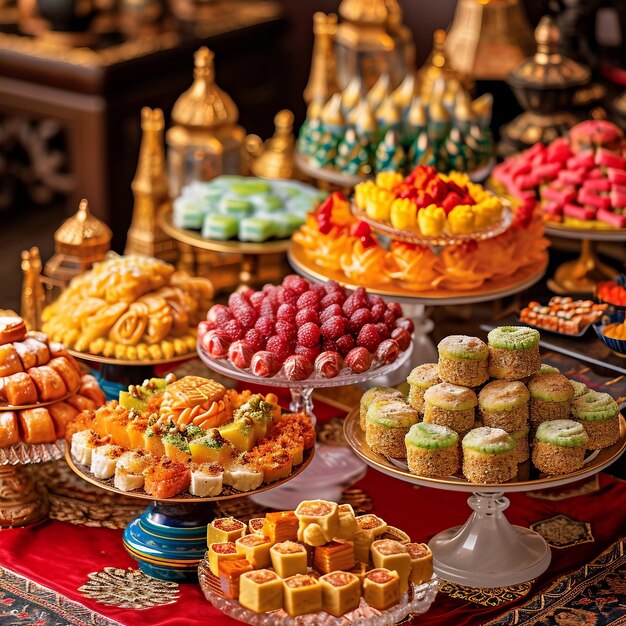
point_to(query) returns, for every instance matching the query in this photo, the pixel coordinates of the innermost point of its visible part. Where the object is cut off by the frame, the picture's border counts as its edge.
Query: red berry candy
(368, 338)
(264, 364)
(287, 296)
(350, 306)
(233, 330)
(286, 312)
(359, 360)
(402, 337)
(265, 326)
(378, 311)
(308, 335)
(334, 297)
(395, 308)
(280, 347)
(329, 345)
(345, 343)
(240, 354)
(308, 353)
(333, 285)
(286, 329)
(219, 314)
(390, 319)
(205, 326)
(383, 330)
(246, 293)
(334, 327)
(257, 299)
(307, 315)
(328, 364)
(387, 351)
(308, 299)
(331, 311)
(406, 323)
(296, 283)
(255, 339)
(216, 344)
(297, 367)
(267, 309)
(359, 318)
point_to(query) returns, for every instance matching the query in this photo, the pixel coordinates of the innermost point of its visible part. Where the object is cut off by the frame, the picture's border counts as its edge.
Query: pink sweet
(216, 344)
(359, 360)
(614, 219)
(618, 197)
(579, 212)
(546, 172)
(387, 351)
(264, 364)
(572, 177)
(617, 176)
(582, 160)
(329, 363)
(607, 158)
(566, 194)
(596, 172)
(240, 354)
(552, 208)
(587, 197)
(297, 367)
(597, 184)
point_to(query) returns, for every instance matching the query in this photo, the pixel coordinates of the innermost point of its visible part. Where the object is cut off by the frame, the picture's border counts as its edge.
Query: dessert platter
(578, 183)
(317, 564)
(303, 336)
(43, 390)
(563, 315)
(185, 445)
(488, 419)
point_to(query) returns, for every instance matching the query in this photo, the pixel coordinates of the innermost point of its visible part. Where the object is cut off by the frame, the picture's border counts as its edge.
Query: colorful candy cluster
(580, 178)
(303, 328)
(613, 291)
(429, 203)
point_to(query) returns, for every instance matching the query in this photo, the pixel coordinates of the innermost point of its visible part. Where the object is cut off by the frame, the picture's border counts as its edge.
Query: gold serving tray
(228, 493)
(519, 281)
(594, 463)
(105, 360)
(12, 407)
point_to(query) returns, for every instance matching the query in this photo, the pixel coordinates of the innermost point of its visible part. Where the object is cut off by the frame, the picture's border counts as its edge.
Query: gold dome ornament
(206, 140)
(322, 83)
(488, 38)
(276, 158)
(150, 190)
(81, 241)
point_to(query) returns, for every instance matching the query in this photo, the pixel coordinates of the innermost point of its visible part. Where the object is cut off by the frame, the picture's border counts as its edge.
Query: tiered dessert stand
(581, 275)
(487, 551)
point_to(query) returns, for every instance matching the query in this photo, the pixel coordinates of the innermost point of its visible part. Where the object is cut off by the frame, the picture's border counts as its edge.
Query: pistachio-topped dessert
(420, 379)
(432, 450)
(513, 352)
(463, 360)
(387, 423)
(450, 405)
(376, 394)
(598, 413)
(559, 446)
(550, 398)
(489, 456)
(504, 404)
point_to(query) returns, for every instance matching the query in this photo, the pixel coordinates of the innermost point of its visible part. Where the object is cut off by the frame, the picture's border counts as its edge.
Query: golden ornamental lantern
(488, 38)
(151, 192)
(322, 83)
(81, 241)
(276, 158)
(370, 41)
(206, 140)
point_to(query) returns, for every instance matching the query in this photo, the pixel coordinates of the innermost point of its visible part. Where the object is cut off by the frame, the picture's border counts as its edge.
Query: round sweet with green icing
(513, 338)
(463, 347)
(489, 441)
(551, 388)
(563, 433)
(503, 395)
(521, 433)
(547, 369)
(451, 397)
(424, 376)
(392, 415)
(580, 389)
(431, 436)
(595, 407)
(378, 394)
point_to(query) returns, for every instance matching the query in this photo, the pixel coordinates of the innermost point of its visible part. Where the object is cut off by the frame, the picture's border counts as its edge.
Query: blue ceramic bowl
(618, 346)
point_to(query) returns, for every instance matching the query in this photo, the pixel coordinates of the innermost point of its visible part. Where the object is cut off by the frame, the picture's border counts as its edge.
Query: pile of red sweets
(302, 328)
(582, 176)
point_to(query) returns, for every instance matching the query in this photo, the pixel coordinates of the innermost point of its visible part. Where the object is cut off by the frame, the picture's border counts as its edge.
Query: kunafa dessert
(513, 352)
(463, 360)
(432, 450)
(314, 578)
(450, 405)
(504, 404)
(489, 456)
(386, 425)
(376, 394)
(420, 379)
(550, 398)
(559, 446)
(598, 413)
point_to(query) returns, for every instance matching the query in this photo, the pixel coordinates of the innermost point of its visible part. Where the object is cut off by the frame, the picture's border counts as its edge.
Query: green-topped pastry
(432, 450)
(580, 389)
(559, 446)
(250, 187)
(377, 394)
(547, 369)
(220, 227)
(463, 360)
(522, 445)
(489, 456)
(420, 379)
(386, 425)
(504, 404)
(598, 413)
(256, 229)
(550, 398)
(234, 207)
(450, 405)
(513, 352)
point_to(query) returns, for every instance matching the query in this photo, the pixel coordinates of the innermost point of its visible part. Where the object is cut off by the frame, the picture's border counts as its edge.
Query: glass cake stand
(302, 390)
(22, 500)
(582, 274)
(487, 551)
(170, 538)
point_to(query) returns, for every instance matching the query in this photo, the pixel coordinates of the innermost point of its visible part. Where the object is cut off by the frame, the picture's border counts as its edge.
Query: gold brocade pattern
(562, 531)
(486, 597)
(566, 492)
(129, 589)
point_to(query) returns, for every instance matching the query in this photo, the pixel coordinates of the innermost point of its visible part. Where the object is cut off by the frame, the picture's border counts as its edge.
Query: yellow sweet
(261, 591)
(431, 221)
(378, 204)
(362, 192)
(403, 214)
(461, 220)
(388, 180)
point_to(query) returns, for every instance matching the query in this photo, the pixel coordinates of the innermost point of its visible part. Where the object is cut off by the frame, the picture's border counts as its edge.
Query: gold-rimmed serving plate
(4, 406)
(227, 493)
(105, 360)
(595, 462)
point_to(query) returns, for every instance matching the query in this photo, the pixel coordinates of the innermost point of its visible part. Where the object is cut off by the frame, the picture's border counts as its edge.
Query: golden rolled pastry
(99, 324)
(131, 326)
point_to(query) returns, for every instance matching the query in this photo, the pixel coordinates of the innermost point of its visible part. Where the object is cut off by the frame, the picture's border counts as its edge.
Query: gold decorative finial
(379, 91)
(151, 192)
(322, 81)
(277, 159)
(351, 95)
(416, 117)
(372, 12)
(403, 94)
(331, 113)
(33, 295)
(365, 122)
(388, 114)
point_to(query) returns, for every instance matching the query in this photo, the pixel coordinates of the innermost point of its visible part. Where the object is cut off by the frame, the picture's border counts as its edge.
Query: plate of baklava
(318, 564)
(192, 438)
